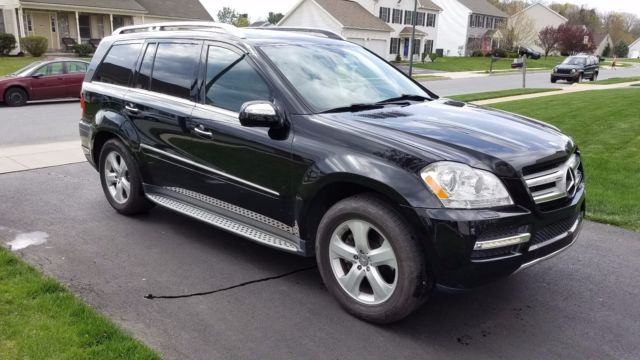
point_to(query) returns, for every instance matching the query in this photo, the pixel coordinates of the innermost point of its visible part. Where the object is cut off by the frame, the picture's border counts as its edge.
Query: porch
(489, 41)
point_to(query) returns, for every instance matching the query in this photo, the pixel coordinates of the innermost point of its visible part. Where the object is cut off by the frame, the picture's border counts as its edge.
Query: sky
(259, 9)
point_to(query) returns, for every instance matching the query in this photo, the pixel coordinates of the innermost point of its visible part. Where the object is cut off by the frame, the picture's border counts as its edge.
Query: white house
(468, 25)
(634, 49)
(540, 17)
(87, 20)
(383, 26)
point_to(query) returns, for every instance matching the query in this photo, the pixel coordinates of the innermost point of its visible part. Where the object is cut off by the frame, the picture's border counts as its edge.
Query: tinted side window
(174, 69)
(231, 81)
(117, 67)
(144, 76)
(76, 67)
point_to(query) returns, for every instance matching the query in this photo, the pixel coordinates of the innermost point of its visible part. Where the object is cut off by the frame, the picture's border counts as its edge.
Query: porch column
(21, 22)
(78, 27)
(111, 22)
(17, 24)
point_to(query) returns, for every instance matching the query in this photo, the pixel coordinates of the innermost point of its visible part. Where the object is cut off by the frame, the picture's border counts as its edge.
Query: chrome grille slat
(559, 182)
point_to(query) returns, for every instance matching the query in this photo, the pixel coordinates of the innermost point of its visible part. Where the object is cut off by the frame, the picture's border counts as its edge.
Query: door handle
(200, 131)
(132, 109)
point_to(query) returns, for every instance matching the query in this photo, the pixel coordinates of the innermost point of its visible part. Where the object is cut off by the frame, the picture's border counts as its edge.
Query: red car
(52, 79)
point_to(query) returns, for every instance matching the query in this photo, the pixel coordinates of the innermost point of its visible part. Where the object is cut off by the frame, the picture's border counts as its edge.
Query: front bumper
(573, 76)
(472, 247)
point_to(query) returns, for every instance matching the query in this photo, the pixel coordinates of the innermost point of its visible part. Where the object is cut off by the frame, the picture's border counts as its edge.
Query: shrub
(35, 45)
(433, 57)
(424, 56)
(83, 50)
(512, 54)
(477, 53)
(607, 51)
(501, 53)
(398, 58)
(7, 43)
(621, 49)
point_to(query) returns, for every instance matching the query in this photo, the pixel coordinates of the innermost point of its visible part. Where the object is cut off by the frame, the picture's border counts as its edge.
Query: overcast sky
(258, 9)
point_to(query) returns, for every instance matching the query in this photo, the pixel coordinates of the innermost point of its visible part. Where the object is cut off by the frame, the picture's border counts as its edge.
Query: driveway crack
(151, 296)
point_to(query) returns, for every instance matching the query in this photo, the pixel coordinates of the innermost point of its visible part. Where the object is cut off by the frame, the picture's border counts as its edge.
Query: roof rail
(181, 25)
(327, 33)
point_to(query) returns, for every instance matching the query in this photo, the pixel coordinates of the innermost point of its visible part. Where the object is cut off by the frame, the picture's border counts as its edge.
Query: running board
(234, 226)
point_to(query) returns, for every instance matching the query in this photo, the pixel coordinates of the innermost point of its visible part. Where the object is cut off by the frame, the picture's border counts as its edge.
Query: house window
(416, 47)
(385, 14)
(428, 46)
(397, 16)
(84, 22)
(395, 46)
(408, 18)
(53, 23)
(28, 24)
(431, 20)
(420, 19)
(1, 22)
(100, 26)
(472, 21)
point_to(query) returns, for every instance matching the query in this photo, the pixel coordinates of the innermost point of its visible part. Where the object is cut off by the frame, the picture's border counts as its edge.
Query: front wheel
(371, 260)
(594, 77)
(121, 180)
(553, 80)
(15, 97)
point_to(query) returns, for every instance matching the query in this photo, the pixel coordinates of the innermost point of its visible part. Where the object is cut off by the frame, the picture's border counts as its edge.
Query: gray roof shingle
(429, 5)
(187, 9)
(352, 15)
(482, 7)
(130, 5)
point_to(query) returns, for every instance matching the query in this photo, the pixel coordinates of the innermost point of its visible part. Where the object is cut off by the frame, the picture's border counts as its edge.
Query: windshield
(574, 61)
(335, 76)
(26, 69)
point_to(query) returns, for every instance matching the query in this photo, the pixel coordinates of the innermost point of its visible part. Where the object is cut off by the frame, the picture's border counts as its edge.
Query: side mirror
(37, 75)
(259, 114)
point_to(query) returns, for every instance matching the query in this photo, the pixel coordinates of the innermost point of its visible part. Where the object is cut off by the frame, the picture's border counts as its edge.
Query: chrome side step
(225, 223)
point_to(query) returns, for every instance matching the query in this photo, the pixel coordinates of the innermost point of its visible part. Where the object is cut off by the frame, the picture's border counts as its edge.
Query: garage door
(378, 46)
(358, 41)
(635, 54)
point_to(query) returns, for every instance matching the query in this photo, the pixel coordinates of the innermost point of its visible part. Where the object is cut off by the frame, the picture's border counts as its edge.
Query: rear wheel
(15, 97)
(553, 80)
(370, 260)
(121, 180)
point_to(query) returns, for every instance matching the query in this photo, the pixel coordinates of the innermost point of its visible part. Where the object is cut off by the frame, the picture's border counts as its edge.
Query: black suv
(576, 68)
(313, 145)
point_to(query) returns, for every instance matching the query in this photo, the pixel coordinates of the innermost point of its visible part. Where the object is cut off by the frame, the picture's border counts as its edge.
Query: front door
(48, 82)
(251, 166)
(406, 48)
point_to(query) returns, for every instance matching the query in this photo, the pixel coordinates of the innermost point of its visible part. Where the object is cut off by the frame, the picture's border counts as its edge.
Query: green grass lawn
(615, 80)
(40, 319)
(605, 126)
(11, 64)
(497, 94)
(482, 63)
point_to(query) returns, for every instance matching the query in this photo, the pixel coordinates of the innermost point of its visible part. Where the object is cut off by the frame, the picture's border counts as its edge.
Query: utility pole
(524, 71)
(413, 35)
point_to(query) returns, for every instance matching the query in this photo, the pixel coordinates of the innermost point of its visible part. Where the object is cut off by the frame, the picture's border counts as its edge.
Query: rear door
(48, 82)
(73, 77)
(160, 103)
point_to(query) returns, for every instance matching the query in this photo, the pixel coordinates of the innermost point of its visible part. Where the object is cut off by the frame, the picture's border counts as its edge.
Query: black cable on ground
(151, 296)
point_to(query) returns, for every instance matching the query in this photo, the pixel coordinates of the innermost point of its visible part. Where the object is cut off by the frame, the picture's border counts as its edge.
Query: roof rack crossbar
(181, 25)
(329, 34)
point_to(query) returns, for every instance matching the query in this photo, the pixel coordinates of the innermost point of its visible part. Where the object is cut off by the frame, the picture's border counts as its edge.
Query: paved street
(38, 123)
(582, 304)
(512, 81)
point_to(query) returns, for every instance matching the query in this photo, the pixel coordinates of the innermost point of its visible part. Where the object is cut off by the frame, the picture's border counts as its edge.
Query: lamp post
(413, 35)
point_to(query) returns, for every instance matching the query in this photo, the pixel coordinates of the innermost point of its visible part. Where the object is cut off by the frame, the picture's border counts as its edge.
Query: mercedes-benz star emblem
(571, 182)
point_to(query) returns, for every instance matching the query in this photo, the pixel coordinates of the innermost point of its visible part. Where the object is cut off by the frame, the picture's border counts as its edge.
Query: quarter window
(231, 80)
(174, 69)
(144, 75)
(118, 65)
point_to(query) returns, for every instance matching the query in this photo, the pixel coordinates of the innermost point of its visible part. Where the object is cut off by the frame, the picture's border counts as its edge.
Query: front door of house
(406, 47)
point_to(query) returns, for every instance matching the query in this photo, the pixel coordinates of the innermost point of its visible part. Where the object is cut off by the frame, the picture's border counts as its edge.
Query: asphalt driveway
(581, 304)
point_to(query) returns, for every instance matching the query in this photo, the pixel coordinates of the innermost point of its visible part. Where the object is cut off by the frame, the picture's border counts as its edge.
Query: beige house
(532, 19)
(64, 22)
(601, 40)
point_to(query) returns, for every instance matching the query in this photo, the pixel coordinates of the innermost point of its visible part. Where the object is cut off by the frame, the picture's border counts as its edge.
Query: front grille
(563, 71)
(554, 230)
(553, 182)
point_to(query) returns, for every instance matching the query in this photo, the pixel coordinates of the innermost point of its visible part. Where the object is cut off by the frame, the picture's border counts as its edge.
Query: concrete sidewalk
(566, 90)
(29, 157)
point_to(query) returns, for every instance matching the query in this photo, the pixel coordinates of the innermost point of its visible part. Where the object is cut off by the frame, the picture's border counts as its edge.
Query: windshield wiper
(404, 97)
(354, 108)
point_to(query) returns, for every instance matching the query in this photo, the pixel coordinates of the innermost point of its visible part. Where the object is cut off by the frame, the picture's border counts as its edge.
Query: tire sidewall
(411, 272)
(11, 91)
(136, 195)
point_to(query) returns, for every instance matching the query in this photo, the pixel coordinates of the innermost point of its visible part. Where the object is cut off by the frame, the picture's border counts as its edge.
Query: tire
(553, 80)
(15, 97)
(594, 77)
(398, 292)
(579, 79)
(114, 179)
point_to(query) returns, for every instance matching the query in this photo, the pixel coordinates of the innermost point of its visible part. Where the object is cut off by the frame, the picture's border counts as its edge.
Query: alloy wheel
(116, 175)
(363, 262)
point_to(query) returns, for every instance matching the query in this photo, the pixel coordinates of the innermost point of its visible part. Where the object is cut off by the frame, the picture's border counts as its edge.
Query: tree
(274, 18)
(571, 39)
(520, 31)
(228, 15)
(621, 49)
(607, 50)
(548, 39)
(242, 21)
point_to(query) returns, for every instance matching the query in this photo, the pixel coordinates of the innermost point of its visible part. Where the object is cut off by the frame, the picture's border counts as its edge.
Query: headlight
(573, 71)
(555, 69)
(461, 186)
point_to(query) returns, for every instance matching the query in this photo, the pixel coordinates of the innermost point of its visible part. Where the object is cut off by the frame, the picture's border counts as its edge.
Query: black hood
(448, 130)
